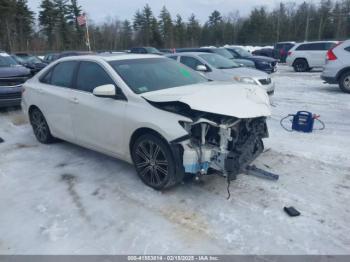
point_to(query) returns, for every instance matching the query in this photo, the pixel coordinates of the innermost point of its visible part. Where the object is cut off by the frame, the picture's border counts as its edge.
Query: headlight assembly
(246, 80)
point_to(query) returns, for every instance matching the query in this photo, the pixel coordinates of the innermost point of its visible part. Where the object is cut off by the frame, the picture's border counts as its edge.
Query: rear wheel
(154, 162)
(301, 65)
(40, 127)
(344, 82)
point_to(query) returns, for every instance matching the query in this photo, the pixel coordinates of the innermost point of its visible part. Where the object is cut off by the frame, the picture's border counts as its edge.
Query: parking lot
(63, 199)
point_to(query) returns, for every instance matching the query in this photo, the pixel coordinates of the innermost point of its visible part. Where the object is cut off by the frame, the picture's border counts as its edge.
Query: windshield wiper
(223, 67)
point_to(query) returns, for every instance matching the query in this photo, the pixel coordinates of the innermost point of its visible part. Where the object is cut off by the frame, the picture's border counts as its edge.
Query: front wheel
(344, 82)
(301, 65)
(154, 162)
(40, 127)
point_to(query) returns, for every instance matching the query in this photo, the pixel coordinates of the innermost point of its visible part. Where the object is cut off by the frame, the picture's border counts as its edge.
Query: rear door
(98, 122)
(55, 95)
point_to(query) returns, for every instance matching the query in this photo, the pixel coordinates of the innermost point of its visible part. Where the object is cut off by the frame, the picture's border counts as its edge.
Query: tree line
(55, 26)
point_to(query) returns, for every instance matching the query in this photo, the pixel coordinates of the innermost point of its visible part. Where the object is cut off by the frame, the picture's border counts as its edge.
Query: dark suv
(12, 76)
(262, 63)
(33, 63)
(145, 50)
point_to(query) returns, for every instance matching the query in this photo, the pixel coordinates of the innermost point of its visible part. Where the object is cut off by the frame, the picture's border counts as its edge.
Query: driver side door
(98, 122)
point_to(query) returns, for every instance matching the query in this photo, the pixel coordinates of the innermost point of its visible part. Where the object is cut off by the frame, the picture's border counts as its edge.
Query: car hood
(245, 72)
(13, 71)
(230, 99)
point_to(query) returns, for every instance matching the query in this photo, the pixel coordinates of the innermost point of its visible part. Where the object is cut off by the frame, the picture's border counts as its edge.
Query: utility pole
(307, 24)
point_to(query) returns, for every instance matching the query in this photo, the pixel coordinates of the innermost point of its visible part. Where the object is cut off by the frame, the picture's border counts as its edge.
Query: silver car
(218, 68)
(337, 68)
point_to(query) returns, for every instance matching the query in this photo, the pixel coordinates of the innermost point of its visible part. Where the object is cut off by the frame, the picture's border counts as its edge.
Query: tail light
(289, 53)
(330, 55)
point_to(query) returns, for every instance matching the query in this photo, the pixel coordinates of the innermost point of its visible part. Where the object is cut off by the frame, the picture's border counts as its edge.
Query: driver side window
(190, 62)
(91, 75)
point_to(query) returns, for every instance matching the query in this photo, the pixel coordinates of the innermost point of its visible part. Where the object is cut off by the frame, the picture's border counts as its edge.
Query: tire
(40, 127)
(344, 82)
(154, 162)
(301, 65)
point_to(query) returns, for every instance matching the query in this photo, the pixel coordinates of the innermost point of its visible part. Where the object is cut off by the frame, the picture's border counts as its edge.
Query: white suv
(151, 111)
(305, 56)
(337, 68)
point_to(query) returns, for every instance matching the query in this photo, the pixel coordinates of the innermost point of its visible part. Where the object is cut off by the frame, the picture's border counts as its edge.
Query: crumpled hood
(13, 71)
(224, 98)
(245, 72)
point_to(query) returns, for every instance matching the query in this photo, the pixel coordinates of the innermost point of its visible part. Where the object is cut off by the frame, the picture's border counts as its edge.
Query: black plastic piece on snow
(291, 211)
(1, 140)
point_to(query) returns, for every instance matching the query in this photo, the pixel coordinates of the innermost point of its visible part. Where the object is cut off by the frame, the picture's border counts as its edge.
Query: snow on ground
(63, 199)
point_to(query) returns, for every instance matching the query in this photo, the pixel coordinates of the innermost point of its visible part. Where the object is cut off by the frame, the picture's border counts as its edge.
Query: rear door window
(91, 75)
(315, 46)
(62, 74)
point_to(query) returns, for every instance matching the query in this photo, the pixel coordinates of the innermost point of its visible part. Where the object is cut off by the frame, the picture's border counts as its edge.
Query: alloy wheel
(346, 82)
(39, 125)
(151, 163)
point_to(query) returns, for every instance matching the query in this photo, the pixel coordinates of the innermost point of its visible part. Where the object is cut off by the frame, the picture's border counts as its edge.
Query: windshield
(6, 60)
(152, 50)
(28, 59)
(242, 52)
(146, 75)
(218, 61)
(223, 52)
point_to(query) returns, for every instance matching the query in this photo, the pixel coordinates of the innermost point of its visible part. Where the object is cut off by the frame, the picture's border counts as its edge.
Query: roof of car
(111, 57)
(316, 42)
(188, 53)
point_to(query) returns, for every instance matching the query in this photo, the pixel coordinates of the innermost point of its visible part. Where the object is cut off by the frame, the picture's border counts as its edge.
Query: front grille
(10, 96)
(12, 81)
(266, 81)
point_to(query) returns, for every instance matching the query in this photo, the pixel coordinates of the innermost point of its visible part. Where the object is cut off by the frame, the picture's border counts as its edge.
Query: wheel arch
(142, 131)
(341, 72)
(300, 58)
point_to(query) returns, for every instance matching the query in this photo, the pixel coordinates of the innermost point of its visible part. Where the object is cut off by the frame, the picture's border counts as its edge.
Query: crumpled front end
(222, 144)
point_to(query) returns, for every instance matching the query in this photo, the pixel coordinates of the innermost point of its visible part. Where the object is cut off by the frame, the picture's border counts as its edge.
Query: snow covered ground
(63, 199)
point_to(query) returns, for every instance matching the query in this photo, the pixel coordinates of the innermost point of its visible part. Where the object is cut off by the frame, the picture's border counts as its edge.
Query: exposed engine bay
(216, 142)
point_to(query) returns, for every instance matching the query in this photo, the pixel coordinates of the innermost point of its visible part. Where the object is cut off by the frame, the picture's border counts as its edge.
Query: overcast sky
(125, 9)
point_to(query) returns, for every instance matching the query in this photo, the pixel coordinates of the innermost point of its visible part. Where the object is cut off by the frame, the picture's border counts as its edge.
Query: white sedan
(151, 111)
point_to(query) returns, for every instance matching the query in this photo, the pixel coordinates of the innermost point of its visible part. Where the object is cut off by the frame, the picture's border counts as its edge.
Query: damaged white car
(151, 111)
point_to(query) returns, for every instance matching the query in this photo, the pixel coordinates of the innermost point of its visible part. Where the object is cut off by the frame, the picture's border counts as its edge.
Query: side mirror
(105, 91)
(201, 68)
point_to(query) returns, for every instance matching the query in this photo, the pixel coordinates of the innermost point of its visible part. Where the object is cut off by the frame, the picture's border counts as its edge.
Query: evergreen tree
(126, 35)
(166, 28)
(193, 31)
(179, 31)
(47, 20)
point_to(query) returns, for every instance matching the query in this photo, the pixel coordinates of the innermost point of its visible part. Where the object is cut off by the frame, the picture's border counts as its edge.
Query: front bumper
(10, 96)
(268, 68)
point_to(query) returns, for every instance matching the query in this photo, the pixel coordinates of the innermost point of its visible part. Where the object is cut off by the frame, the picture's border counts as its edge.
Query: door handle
(74, 100)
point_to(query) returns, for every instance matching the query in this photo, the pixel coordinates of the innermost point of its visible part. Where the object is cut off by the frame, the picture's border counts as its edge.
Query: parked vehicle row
(218, 68)
(266, 64)
(162, 116)
(12, 77)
